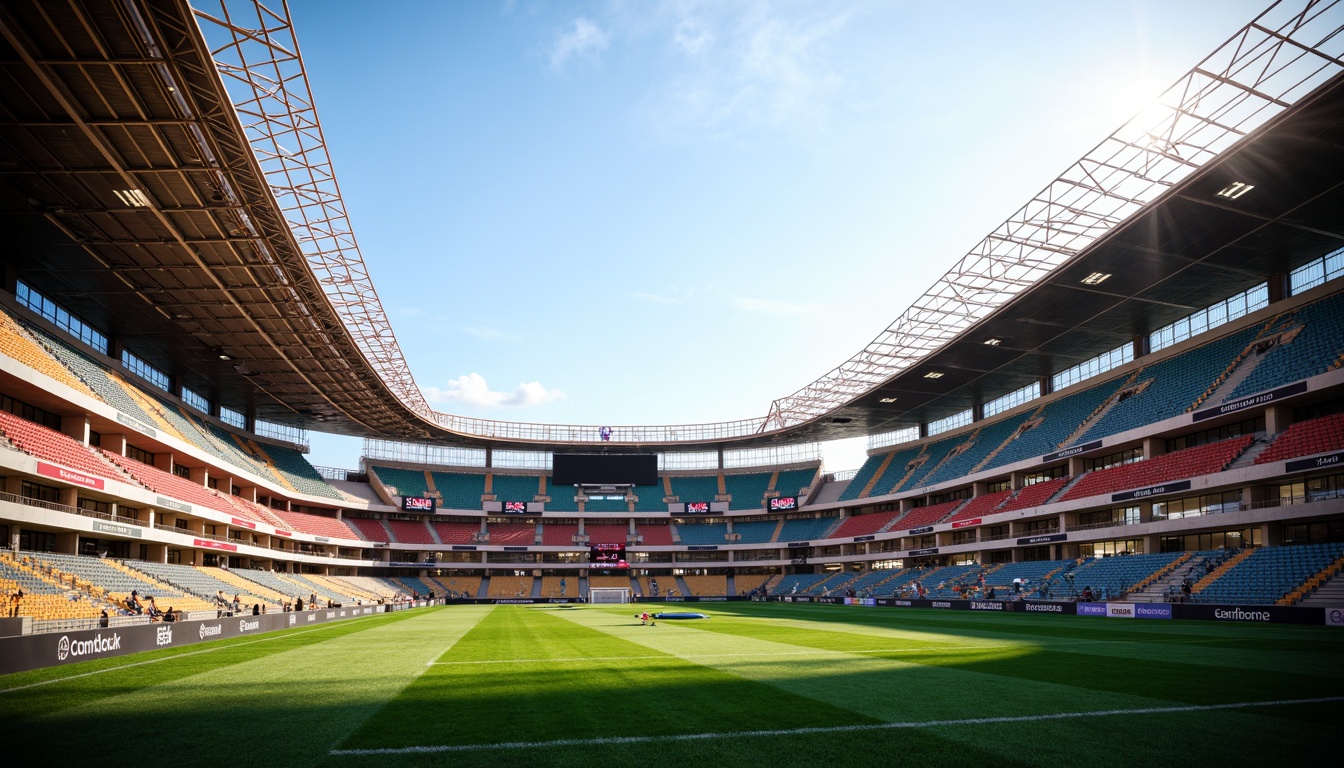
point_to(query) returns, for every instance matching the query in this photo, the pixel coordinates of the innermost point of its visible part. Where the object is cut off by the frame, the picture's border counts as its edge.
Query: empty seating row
(1177, 465)
(50, 445)
(1306, 438)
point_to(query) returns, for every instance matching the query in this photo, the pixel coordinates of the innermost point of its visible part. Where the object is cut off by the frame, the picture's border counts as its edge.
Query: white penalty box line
(830, 729)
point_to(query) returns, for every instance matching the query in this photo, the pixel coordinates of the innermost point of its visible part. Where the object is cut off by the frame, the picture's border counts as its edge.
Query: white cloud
(472, 389)
(585, 40)
(754, 67)
(692, 36)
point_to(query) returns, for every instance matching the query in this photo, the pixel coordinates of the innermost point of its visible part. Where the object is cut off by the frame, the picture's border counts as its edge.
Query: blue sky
(676, 212)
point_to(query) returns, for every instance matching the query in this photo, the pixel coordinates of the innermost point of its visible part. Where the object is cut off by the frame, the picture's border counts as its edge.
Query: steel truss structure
(255, 49)
(1282, 55)
(1279, 57)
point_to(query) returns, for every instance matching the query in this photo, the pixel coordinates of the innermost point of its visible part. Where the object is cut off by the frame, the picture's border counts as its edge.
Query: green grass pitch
(766, 685)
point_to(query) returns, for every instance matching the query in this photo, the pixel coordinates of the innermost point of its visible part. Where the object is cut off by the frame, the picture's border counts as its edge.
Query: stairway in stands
(1168, 584)
(1329, 595)
(1247, 458)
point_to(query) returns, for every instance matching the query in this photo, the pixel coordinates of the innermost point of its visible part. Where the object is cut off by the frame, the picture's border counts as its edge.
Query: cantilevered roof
(172, 187)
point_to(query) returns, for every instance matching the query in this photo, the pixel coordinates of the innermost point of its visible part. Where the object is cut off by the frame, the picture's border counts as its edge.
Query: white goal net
(609, 594)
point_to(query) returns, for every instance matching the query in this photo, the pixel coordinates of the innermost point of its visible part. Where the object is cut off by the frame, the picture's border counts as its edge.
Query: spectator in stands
(653, 584)
(237, 604)
(102, 619)
(256, 609)
(298, 603)
(15, 602)
(312, 598)
(1086, 595)
(564, 588)
(170, 616)
(1185, 590)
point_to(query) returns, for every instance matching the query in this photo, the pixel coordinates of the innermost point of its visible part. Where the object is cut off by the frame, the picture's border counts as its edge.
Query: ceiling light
(887, 400)
(135, 198)
(1235, 190)
(993, 342)
(1096, 278)
(933, 375)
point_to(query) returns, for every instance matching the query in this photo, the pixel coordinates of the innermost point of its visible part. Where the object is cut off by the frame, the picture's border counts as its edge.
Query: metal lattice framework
(1279, 57)
(257, 54)
(1262, 70)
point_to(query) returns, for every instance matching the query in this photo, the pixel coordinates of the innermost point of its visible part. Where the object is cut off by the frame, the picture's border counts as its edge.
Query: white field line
(828, 729)
(279, 634)
(440, 654)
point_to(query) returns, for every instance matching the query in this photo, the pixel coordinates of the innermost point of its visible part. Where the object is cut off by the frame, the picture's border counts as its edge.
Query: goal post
(609, 594)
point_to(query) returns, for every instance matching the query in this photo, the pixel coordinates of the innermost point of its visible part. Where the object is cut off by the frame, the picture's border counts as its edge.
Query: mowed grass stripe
(482, 704)
(833, 729)
(1282, 648)
(26, 695)
(886, 686)
(1153, 671)
(1174, 737)
(1171, 736)
(292, 705)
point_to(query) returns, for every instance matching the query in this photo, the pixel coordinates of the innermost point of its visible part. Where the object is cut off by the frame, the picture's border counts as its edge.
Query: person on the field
(644, 618)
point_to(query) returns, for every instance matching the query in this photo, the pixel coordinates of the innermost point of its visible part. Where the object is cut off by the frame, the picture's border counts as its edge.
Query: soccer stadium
(1100, 517)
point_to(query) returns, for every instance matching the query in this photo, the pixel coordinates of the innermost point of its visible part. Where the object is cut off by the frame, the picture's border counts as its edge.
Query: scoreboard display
(604, 469)
(418, 503)
(515, 507)
(608, 557)
(697, 508)
(783, 503)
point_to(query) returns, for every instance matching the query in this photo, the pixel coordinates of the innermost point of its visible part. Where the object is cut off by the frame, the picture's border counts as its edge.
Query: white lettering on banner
(1236, 614)
(163, 636)
(293, 619)
(99, 644)
(312, 617)
(976, 605)
(210, 630)
(1120, 610)
(1045, 608)
(331, 614)
(941, 604)
(245, 625)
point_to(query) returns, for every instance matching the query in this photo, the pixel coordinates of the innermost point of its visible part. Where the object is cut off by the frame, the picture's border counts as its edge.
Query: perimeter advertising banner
(1004, 606)
(1251, 614)
(18, 654)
